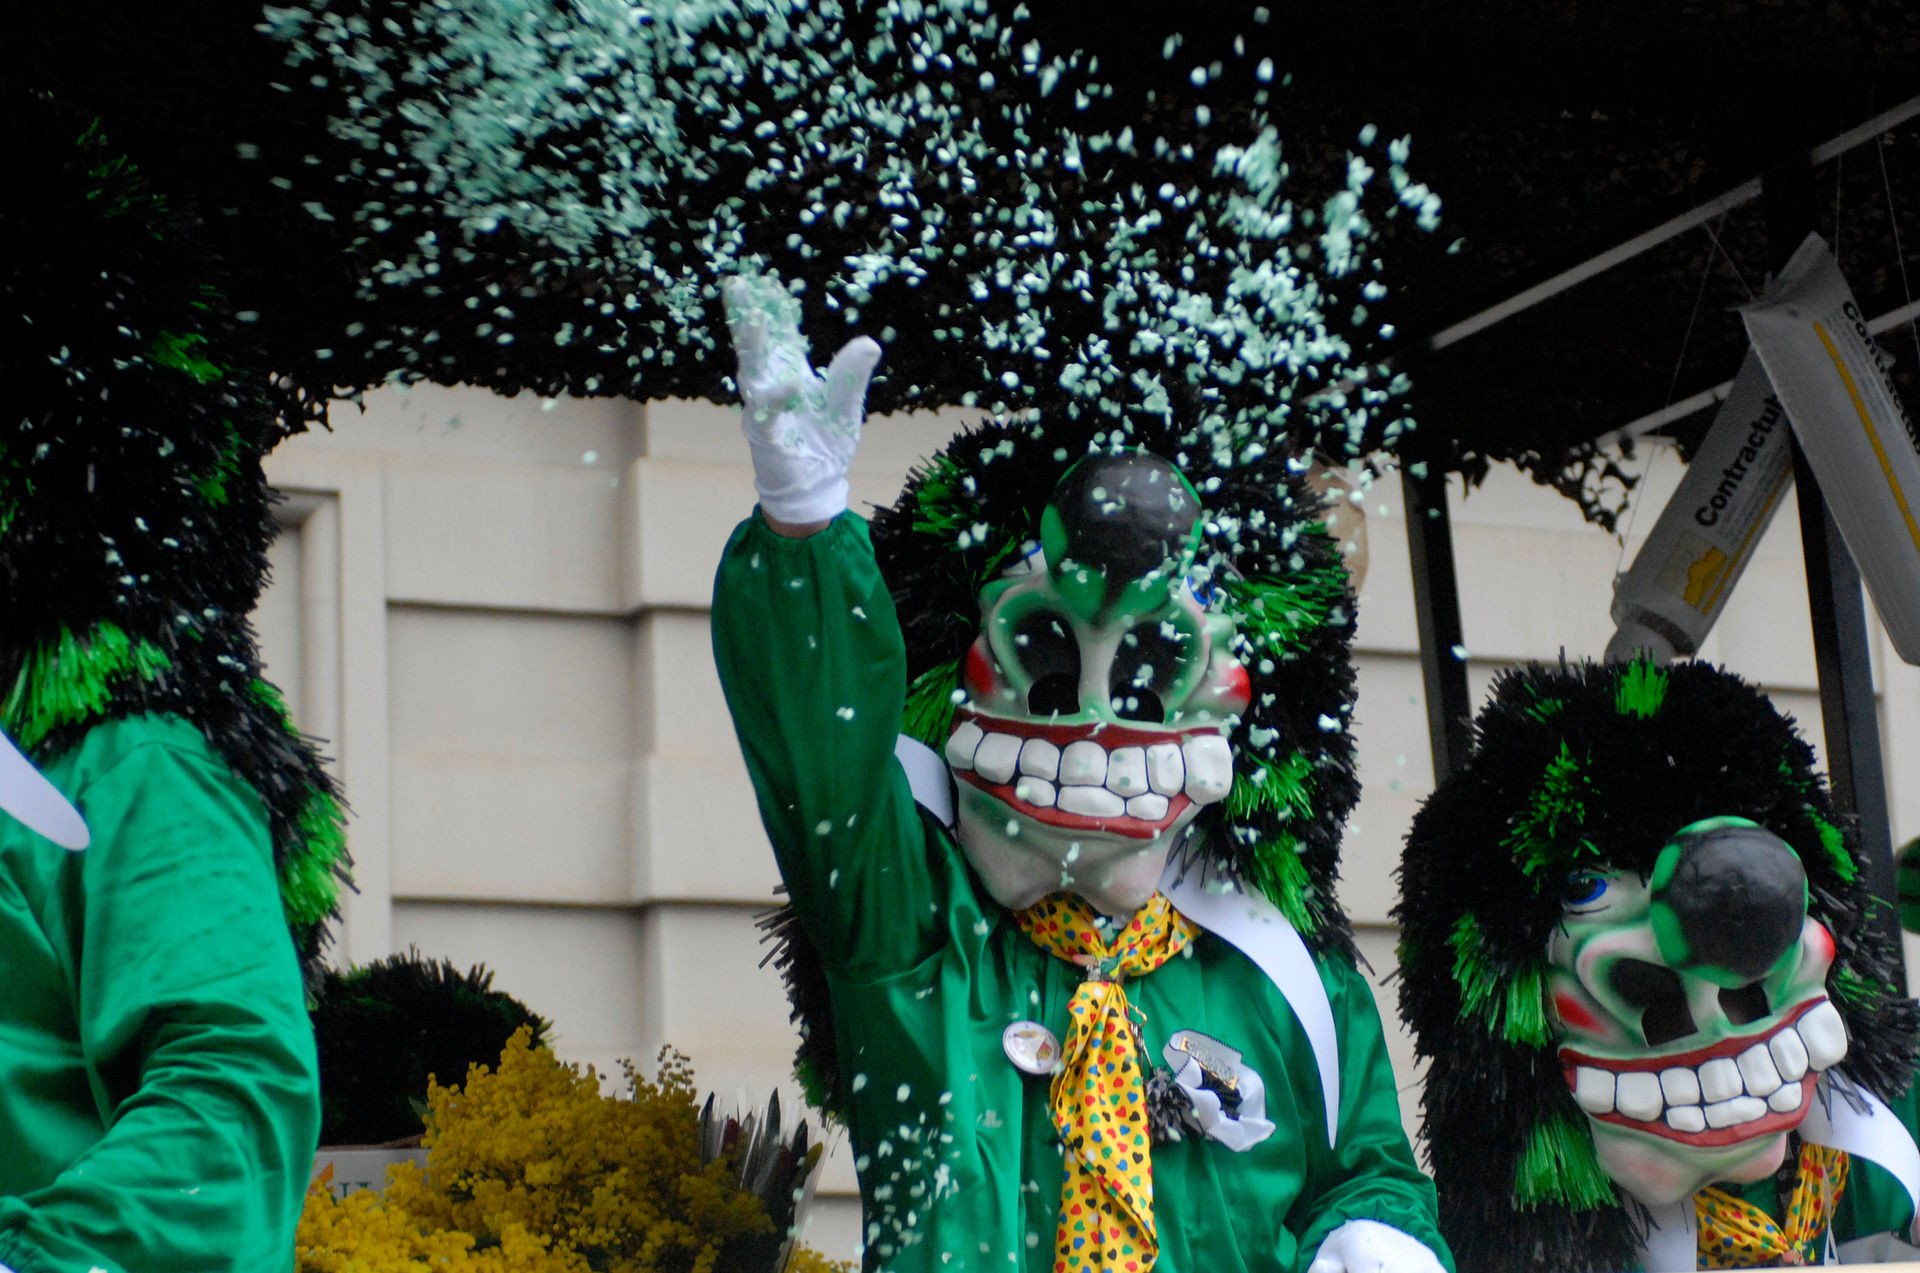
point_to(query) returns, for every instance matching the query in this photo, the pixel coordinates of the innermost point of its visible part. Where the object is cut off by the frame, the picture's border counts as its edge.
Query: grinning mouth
(1732, 1091)
(1098, 777)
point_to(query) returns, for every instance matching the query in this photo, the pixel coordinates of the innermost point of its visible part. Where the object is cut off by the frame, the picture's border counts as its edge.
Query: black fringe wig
(134, 514)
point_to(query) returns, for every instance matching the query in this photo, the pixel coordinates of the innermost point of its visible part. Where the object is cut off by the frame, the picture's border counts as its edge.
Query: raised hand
(802, 427)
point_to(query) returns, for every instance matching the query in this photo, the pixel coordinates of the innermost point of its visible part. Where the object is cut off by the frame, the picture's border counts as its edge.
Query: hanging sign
(1669, 599)
(1861, 443)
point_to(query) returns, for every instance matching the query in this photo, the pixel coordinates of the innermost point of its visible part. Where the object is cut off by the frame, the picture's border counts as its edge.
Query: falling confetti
(1036, 234)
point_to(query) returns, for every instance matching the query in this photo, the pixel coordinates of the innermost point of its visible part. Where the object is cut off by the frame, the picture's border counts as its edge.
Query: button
(1031, 1047)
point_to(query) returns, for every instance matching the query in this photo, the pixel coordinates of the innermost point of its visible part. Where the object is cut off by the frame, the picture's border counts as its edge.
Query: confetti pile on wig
(134, 515)
(1266, 559)
(544, 195)
(1592, 768)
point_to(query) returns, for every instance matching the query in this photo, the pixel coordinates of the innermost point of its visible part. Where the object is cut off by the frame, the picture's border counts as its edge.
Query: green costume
(158, 1089)
(958, 1160)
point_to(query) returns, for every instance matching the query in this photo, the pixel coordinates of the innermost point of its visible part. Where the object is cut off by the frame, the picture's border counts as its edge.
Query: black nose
(1729, 900)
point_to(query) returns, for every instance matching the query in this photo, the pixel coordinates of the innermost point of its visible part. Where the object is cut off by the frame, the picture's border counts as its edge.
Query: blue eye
(1583, 888)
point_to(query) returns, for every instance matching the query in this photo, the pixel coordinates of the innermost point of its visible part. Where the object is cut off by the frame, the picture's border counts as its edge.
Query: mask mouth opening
(1719, 1094)
(1124, 780)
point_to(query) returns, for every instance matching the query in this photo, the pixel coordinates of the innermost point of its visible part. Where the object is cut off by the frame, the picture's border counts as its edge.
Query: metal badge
(1031, 1047)
(1219, 1064)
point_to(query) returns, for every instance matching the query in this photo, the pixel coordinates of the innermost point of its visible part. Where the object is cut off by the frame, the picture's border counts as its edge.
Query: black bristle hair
(134, 513)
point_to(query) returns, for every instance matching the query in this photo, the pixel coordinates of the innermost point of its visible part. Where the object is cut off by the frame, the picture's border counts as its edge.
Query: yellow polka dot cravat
(1098, 1097)
(1735, 1234)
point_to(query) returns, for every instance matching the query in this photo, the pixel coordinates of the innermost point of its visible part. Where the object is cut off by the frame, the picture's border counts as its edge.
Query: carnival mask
(1100, 693)
(1691, 1009)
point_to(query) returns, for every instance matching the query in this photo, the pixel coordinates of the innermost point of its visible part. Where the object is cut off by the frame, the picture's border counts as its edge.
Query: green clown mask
(1100, 691)
(1691, 1008)
(1636, 954)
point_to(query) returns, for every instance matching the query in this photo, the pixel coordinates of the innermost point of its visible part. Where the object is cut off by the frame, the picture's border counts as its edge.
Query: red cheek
(982, 678)
(1232, 686)
(1574, 1013)
(1821, 941)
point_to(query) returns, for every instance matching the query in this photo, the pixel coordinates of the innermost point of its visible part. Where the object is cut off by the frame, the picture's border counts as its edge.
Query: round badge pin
(1031, 1047)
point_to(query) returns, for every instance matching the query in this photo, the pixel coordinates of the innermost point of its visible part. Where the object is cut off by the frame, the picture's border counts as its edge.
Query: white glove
(1367, 1246)
(801, 427)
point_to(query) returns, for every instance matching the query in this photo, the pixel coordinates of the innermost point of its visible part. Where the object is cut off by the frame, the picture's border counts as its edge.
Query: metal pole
(1436, 606)
(1841, 655)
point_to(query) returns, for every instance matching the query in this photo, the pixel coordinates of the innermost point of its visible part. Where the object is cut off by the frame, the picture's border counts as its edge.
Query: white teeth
(1141, 781)
(960, 746)
(996, 757)
(1037, 792)
(1639, 1095)
(1767, 1078)
(1789, 1055)
(1083, 764)
(1720, 1080)
(1593, 1089)
(1040, 759)
(1680, 1086)
(1127, 771)
(1756, 1070)
(1741, 1109)
(1147, 808)
(1166, 772)
(1093, 802)
(1209, 768)
(1825, 1035)
(1687, 1118)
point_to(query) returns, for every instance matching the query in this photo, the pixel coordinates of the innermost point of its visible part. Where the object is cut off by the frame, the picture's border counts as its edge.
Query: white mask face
(1099, 703)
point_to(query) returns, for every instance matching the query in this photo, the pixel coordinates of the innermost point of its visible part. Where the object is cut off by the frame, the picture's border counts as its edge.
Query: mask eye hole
(1657, 994)
(1150, 659)
(1049, 655)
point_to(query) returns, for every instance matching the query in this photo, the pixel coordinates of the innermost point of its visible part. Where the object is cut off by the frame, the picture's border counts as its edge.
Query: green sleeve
(1370, 1172)
(814, 670)
(192, 1025)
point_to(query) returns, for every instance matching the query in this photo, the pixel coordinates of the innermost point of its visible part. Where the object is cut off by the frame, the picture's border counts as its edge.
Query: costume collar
(1255, 927)
(1844, 1116)
(28, 796)
(929, 776)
